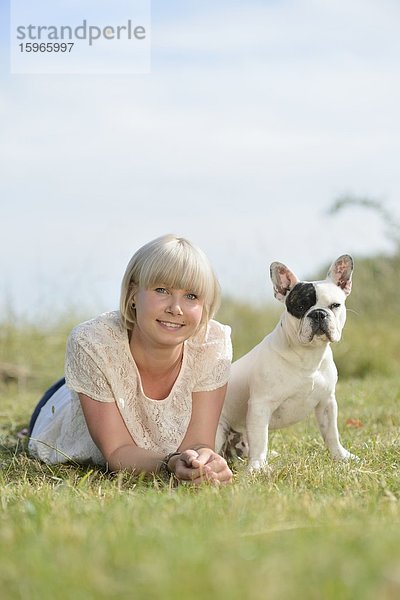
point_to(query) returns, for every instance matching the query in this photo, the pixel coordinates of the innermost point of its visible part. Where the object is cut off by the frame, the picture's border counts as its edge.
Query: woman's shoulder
(101, 329)
(212, 357)
(217, 331)
(217, 336)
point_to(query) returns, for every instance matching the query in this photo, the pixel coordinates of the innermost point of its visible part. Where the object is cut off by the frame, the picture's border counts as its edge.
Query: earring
(133, 305)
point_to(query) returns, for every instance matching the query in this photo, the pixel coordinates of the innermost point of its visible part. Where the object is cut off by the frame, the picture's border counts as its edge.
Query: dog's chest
(299, 401)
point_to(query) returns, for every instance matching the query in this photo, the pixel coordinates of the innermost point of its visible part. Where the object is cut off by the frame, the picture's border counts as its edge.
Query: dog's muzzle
(320, 322)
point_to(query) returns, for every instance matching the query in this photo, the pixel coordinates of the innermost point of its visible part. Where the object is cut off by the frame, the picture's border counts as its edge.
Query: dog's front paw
(352, 457)
(258, 466)
(346, 455)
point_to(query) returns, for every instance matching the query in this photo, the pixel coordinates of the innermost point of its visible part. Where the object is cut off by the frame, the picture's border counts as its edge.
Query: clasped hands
(199, 466)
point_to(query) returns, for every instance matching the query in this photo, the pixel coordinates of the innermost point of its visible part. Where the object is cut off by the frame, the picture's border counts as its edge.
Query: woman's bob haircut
(173, 262)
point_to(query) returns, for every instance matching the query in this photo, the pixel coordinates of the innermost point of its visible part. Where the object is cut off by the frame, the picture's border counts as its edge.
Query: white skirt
(60, 433)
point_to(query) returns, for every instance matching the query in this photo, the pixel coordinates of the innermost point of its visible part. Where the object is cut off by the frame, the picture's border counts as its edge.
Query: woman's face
(167, 316)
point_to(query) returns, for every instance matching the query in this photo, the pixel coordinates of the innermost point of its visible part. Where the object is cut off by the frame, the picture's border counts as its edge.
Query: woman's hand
(199, 466)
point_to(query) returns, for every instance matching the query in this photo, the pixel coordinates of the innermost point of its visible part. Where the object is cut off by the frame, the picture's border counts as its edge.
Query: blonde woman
(144, 386)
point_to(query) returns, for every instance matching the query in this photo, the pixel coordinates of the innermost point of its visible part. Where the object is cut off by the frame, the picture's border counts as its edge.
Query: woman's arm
(198, 444)
(206, 410)
(198, 460)
(110, 434)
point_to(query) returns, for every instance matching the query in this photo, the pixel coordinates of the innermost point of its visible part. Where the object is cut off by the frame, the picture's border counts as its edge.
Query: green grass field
(312, 529)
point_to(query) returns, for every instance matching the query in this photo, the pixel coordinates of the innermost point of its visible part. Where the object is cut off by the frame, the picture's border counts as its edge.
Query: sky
(254, 118)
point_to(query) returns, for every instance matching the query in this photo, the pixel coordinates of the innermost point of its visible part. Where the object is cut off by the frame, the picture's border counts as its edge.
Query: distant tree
(376, 276)
(391, 223)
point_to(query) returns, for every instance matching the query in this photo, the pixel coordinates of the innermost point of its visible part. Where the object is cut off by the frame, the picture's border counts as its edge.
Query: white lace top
(99, 364)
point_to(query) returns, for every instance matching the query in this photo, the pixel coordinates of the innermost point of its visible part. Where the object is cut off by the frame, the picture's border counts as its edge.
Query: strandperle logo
(90, 33)
(85, 37)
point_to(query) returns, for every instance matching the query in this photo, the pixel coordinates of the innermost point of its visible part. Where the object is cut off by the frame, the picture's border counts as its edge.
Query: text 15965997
(46, 47)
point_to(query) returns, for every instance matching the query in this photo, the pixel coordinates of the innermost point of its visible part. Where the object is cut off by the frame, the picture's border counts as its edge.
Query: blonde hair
(175, 262)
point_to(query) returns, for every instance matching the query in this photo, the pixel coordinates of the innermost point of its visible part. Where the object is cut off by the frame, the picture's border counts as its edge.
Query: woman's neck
(158, 368)
(155, 361)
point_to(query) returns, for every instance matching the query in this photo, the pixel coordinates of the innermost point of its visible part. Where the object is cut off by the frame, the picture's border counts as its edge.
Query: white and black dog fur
(291, 372)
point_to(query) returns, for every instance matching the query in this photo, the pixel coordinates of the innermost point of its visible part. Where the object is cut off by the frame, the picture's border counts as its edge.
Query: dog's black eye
(334, 305)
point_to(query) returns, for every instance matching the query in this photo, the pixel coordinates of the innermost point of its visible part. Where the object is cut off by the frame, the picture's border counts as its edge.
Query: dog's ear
(283, 280)
(341, 272)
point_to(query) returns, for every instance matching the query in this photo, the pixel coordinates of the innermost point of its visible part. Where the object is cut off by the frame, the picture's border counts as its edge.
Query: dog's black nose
(318, 315)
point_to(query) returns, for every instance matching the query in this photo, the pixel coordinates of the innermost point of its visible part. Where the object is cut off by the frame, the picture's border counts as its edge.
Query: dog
(291, 372)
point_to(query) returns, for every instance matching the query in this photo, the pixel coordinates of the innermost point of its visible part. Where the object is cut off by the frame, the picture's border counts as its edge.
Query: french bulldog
(291, 372)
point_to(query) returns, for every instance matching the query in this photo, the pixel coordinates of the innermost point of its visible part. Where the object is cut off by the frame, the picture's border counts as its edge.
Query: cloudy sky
(254, 118)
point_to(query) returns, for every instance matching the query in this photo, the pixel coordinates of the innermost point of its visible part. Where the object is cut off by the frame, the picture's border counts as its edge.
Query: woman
(145, 385)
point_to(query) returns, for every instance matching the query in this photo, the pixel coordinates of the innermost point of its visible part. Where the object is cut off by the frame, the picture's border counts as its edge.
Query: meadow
(312, 528)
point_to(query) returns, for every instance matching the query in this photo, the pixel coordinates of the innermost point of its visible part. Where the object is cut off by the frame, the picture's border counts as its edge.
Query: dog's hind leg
(220, 437)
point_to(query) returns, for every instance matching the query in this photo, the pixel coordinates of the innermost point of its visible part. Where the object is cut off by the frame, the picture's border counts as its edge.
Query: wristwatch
(164, 470)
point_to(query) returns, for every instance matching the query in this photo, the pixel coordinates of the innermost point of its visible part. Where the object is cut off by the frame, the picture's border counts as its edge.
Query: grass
(312, 529)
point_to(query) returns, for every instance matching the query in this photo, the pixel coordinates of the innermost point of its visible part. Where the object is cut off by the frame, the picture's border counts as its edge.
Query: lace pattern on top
(100, 365)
